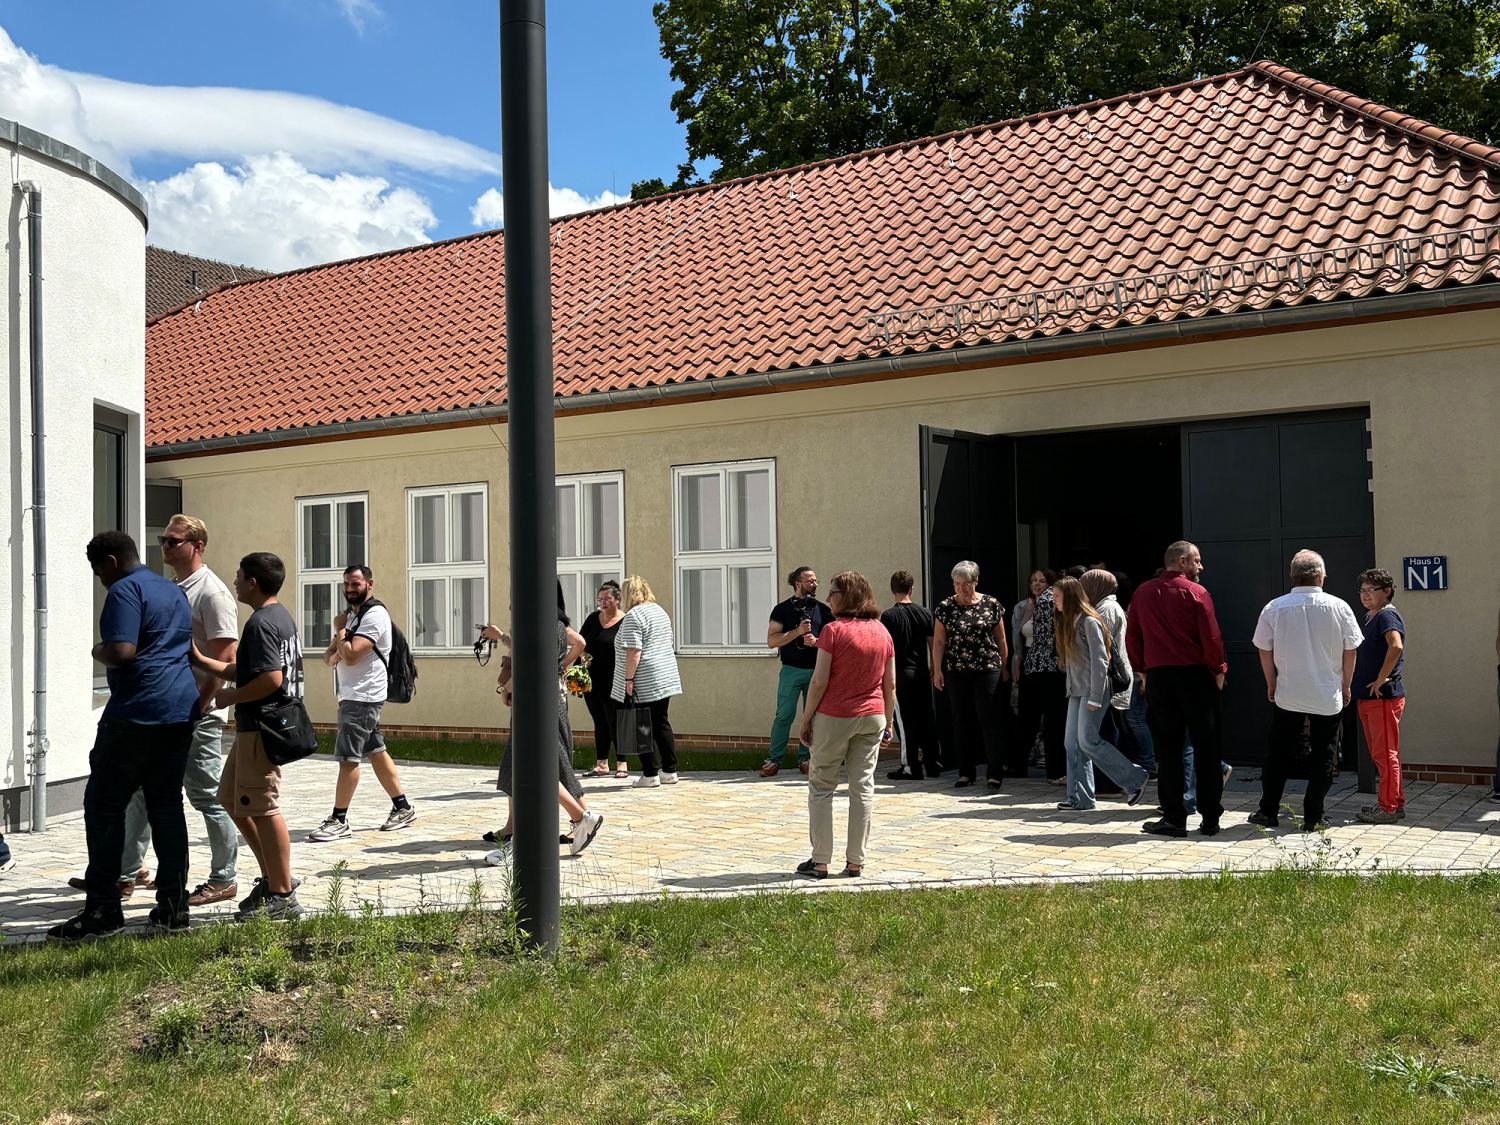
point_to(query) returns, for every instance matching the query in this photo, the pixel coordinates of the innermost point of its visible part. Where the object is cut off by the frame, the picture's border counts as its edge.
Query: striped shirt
(647, 628)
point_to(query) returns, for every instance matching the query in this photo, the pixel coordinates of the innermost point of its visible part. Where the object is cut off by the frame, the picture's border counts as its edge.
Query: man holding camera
(793, 632)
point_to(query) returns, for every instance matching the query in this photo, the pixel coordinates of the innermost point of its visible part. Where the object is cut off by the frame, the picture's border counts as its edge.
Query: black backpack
(400, 669)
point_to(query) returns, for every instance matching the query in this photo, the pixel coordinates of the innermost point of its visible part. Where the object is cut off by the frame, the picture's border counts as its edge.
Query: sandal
(809, 870)
(852, 872)
(601, 770)
(622, 773)
(963, 783)
(493, 837)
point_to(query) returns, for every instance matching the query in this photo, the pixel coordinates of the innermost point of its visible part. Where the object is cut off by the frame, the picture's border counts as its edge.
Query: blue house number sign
(1425, 572)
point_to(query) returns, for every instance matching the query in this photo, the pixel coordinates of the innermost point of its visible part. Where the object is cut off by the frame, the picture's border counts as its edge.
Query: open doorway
(1249, 491)
(1098, 496)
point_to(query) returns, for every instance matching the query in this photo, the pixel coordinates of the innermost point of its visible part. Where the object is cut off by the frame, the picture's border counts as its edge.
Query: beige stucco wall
(848, 490)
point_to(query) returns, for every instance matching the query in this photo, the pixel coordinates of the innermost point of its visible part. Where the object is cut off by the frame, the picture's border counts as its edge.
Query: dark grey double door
(1254, 491)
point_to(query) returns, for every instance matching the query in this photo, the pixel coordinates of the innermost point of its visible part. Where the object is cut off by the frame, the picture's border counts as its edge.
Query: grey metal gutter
(1186, 330)
(39, 144)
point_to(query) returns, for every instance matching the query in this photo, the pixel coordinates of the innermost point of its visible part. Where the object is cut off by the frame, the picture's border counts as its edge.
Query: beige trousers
(854, 744)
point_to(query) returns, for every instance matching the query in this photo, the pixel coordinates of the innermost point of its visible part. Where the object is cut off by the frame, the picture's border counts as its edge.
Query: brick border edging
(1444, 772)
(726, 742)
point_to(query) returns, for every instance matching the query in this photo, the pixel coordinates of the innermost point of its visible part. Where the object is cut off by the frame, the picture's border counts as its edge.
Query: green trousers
(793, 683)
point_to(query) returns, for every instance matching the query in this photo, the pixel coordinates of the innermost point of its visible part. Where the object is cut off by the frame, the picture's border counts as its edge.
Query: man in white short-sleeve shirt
(215, 633)
(359, 655)
(1307, 641)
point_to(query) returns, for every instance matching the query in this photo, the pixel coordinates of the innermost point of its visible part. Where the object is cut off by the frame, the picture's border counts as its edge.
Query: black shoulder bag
(286, 732)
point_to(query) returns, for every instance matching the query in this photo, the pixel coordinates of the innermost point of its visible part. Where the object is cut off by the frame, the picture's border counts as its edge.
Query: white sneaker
(584, 832)
(8, 865)
(667, 778)
(331, 829)
(399, 819)
(498, 857)
(644, 782)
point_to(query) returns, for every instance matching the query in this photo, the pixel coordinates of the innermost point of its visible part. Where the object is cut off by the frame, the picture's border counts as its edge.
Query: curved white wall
(93, 308)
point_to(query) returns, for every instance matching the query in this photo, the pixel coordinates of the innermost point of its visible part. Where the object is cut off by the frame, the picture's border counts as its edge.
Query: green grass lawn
(466, 753)
(1260, 999)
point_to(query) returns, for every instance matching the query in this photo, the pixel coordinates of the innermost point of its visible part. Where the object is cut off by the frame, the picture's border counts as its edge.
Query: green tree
(766, 84)
(773, 83)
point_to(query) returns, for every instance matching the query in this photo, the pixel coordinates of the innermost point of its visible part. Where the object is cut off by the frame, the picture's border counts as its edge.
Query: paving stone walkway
(738, 833)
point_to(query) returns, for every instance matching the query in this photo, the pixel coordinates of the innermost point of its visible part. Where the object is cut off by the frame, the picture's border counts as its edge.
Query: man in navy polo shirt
(146, 633)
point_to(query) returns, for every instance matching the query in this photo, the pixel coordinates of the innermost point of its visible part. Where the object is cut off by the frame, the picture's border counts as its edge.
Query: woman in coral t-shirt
(850, 703)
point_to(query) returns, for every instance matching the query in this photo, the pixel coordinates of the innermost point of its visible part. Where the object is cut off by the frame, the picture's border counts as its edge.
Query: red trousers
(1382, 722)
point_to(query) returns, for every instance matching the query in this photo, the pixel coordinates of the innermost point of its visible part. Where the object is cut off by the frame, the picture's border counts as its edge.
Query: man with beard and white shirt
(215, 631)
(359, 654)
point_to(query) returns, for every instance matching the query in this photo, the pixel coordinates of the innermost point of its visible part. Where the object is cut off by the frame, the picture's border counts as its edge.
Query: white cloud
(217, 122)
(118, 122)
(357, 11)
(272, 212)
(46, 99)
(489, 208)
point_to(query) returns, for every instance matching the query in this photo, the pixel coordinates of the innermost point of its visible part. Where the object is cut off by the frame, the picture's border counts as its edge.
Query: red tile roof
(781, 270)
(174, 279)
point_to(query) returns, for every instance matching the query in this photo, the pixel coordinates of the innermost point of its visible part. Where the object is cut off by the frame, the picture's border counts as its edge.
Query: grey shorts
(359, 731)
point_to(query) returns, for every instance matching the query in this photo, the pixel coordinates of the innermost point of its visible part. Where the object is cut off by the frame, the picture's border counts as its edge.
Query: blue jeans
(1138, 732)
(4, 851)
(1085, 748)
(1190, 800)
(201, 783)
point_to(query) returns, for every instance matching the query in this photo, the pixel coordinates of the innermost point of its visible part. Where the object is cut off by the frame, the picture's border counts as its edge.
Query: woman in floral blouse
(1043, 695)
(969, 662)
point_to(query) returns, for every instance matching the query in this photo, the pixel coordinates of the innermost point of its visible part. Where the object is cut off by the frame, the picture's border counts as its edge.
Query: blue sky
(280, 181)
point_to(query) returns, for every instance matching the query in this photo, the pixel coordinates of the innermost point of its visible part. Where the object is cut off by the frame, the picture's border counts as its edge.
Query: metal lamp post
(533, 507)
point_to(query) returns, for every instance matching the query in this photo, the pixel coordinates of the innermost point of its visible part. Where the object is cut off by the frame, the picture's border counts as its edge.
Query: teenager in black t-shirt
(910, 627)
(793, 632)
(267, 670)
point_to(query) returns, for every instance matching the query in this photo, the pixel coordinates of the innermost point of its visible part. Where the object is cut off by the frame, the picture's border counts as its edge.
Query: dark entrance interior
(1249, 491)
(1098, 496)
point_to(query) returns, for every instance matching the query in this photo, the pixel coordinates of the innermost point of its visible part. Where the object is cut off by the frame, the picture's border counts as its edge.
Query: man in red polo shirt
(1172, 636)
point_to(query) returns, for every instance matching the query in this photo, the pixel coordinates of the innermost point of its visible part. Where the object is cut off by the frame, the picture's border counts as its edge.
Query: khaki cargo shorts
(250, 785)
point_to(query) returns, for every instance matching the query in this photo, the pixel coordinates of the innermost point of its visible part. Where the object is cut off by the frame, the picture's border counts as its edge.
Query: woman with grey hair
(968, 662)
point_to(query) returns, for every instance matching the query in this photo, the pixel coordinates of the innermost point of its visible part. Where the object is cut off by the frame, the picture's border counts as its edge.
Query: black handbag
(632, 729)
(286, 732)
(1119, 676)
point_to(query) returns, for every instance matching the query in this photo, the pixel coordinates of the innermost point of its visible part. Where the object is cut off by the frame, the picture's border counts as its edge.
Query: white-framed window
(724, 555)
(590, 537)
(447, 563)
(333, 532)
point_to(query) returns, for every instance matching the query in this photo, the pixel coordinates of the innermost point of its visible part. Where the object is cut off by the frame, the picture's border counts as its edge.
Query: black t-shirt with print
(909, 625)
(798, 653)
(268, 644)
(969, 643)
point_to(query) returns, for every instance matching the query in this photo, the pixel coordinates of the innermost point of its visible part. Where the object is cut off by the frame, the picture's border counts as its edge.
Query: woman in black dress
(598, 634)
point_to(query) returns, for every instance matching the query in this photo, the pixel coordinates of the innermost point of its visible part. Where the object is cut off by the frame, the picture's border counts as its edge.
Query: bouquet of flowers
(577, 679)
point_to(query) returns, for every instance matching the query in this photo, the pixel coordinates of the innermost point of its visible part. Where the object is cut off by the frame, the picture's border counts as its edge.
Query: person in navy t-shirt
(145, 635)
(1380, 693)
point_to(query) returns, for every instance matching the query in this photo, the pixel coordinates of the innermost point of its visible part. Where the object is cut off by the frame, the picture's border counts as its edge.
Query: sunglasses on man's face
(170, 542)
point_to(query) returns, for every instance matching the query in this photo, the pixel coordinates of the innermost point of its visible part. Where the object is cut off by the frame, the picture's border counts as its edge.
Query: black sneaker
(1264, 821)
(1163, 827)
(1207, 829)
(251, 903)
(279, 908)
(165, 921)
(88, 926)
(904, 774)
